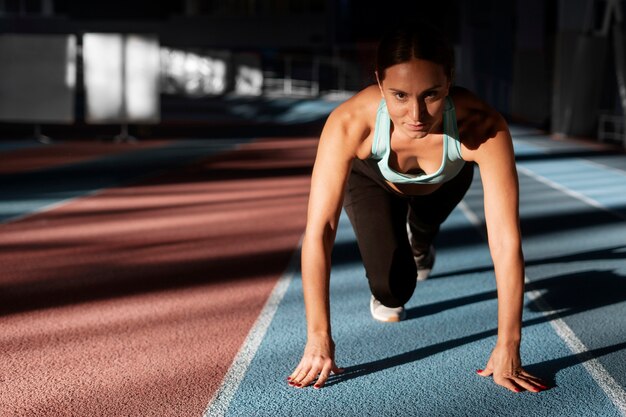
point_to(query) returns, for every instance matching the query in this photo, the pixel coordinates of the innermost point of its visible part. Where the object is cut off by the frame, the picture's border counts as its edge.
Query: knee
(395, 286)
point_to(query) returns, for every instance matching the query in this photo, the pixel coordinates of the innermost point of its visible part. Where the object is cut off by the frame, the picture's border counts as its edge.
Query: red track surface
(29, 159)
(134, 301)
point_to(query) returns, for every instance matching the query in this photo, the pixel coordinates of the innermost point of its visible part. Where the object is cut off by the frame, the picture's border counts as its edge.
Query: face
(415, 93)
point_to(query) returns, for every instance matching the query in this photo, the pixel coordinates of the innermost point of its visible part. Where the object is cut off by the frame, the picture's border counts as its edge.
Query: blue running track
(30, 192)
(573, 212)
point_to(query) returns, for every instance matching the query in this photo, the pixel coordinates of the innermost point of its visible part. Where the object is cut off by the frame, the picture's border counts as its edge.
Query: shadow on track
(548, 369)
(607, 254)
(65, 267)
(567, 294)
(565, 154)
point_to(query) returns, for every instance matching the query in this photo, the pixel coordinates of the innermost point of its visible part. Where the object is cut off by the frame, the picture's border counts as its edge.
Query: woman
(402, 152)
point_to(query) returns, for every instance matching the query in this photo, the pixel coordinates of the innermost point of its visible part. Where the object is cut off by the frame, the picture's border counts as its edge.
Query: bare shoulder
(358, 111)
(477, 120)
(353, 121)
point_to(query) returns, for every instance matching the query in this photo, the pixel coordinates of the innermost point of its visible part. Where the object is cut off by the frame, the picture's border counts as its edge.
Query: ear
(380, 86)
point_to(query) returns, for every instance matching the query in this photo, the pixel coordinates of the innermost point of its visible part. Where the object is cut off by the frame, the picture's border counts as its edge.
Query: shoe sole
(388, 319)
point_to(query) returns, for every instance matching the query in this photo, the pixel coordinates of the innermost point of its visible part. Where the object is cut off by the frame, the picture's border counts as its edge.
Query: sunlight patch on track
(32, 193)
(611, 388)
(575, 194)
(605, 381)
(218, 405)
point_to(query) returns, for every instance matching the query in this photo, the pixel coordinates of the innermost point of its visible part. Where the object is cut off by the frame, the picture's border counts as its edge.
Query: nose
(416, 110)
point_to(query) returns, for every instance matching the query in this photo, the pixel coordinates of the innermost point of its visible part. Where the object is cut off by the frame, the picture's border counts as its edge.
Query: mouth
(419, 127)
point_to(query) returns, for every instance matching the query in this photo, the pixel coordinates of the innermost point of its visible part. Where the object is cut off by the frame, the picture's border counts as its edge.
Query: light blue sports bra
(451, 163)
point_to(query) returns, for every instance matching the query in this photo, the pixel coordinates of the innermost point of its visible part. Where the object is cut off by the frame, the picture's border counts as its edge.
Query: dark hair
(418, 40)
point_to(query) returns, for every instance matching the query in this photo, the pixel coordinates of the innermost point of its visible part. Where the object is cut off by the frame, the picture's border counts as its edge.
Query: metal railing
(612, 128)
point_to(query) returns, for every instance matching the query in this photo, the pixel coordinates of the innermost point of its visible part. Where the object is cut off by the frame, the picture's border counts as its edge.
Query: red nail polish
(316, 386)
(288, 378)
(479, 371)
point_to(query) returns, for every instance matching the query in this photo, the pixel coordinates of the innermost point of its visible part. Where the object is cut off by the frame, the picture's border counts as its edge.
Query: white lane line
(611, 388)
(569, 192)
(546, 150)
(473, 218)
(605, 381)
(219, 403)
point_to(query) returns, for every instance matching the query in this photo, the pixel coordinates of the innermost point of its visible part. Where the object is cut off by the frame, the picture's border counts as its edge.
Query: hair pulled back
(418, 40)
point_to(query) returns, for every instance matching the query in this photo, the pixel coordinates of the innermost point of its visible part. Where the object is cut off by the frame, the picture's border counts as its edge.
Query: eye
(431, 94)
(400, 96)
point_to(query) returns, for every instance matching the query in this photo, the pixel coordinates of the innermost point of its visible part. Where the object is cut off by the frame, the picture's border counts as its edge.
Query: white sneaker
(424, 263)
(384, 313)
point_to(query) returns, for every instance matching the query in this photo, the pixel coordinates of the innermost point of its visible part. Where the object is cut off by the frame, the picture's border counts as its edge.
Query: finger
(310, 377)
(537, 381)
(508, 384)
(337, 370)
(302, 367)
(527, 385)
(323, 377)
(295, 373)
(297, 381)
(486, 372)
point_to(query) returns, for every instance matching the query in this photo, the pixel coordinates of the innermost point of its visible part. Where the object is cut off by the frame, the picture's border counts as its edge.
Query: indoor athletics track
(161, 279)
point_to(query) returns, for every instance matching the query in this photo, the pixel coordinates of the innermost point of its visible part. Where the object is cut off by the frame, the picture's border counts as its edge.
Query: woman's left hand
(506, 367)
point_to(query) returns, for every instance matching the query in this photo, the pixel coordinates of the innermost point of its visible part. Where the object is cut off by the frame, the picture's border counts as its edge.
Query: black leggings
(379, 217)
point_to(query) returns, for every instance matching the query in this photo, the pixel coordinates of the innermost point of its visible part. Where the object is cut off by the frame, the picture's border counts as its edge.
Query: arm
(337, 148)
(501, 200)
(496, 161)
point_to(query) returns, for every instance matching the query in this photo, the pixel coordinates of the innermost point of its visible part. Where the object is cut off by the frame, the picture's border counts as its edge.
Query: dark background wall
(517, 54)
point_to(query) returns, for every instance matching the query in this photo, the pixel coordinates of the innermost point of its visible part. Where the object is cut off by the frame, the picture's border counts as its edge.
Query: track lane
(431, 372)
(26, 193)
(135, 300)
(63, 153)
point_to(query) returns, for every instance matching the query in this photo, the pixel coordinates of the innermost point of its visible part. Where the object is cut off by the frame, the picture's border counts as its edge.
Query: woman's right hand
(317, 362)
